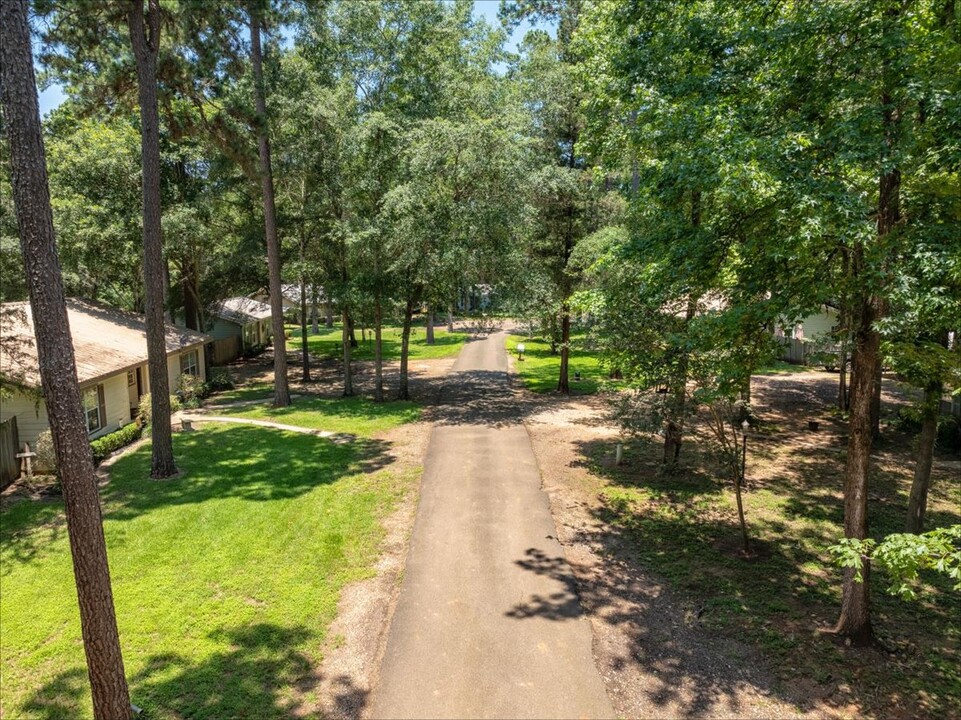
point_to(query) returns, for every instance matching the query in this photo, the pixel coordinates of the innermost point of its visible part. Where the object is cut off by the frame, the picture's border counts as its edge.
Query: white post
(619, 454)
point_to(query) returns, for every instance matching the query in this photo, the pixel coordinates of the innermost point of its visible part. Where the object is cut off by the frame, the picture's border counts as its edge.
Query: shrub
(908, 420)
(144, 408)
(220, 380)
(46, 457)
(105, 445)
(254, 350)
(192, 390)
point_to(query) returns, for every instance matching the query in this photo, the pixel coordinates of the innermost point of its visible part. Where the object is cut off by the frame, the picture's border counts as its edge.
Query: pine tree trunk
(450, 319)
(345, 340)
(563, 380)
(145, 40)
(378, 351)
(429, 333)
(58, 374)
(917, 504)
(281, 389)
(329, 313)
(403, 391)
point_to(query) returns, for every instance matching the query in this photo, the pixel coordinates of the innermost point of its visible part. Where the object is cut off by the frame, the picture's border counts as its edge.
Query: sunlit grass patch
(540, 368)
(225, 579)
(328, 343)
(355, 415)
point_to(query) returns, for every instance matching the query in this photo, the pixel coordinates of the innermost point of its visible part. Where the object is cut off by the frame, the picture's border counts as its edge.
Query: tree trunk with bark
(145, 41)
(450, 319)
(281, 388)
(876, 373)
(918, 501)
(429, 332)
(58, 374)
(855, 619)
(403, 390)
(328, 313)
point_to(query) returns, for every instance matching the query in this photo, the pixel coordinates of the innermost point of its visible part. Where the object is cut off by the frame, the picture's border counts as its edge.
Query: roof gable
(105, 341)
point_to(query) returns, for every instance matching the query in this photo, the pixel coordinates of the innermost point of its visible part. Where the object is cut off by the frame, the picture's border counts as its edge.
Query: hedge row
(105, 445)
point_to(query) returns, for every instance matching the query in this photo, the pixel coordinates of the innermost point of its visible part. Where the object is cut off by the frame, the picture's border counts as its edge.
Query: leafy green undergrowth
(225, 579)
(355, 415)
(328, 343)
(684, 528)
(540, 368)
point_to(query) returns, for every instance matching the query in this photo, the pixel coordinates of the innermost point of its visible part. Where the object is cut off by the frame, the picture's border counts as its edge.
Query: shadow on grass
(259, 464)
(216, 462)
(764, 608)
(260, 672)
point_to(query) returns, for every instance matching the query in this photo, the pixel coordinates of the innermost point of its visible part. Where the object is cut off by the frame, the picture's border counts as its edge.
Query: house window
(131, 378)
(93, 409)
(189, 363)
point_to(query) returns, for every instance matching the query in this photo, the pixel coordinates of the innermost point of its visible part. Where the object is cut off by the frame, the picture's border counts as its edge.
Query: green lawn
(225, 579)
(539, 369)
(356, 415)
(327, 344)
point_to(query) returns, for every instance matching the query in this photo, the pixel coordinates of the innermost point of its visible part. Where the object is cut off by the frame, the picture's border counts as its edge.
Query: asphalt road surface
(487, 623)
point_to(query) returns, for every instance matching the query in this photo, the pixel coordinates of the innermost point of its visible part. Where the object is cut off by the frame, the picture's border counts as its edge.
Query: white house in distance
(238, 324)
(110, 347)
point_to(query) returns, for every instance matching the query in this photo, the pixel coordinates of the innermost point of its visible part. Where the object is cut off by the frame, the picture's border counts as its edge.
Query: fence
(225, 350)
(795, 351)
(9, 464)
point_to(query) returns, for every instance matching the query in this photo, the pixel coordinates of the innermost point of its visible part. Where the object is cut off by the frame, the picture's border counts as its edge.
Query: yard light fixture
(520, 351)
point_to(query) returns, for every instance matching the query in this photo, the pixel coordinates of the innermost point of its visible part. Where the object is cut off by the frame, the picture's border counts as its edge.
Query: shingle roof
(105, 341)
(240, 310)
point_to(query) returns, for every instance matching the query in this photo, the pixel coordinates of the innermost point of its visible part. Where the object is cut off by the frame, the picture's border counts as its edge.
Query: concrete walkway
(202, 418)
(476, 632)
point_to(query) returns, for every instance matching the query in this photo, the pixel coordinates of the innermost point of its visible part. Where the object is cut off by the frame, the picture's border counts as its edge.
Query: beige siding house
(238, 324)
(110, 347)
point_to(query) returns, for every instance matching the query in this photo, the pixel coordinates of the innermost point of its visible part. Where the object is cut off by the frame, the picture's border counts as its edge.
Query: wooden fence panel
(794, 350)
(225, 350)
(9, 447)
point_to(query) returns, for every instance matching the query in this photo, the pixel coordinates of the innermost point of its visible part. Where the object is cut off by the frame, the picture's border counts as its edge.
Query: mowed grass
(328, 343)
(225, 579)
(355, 415)
(684, 528)
(252, 391)
(539, 370)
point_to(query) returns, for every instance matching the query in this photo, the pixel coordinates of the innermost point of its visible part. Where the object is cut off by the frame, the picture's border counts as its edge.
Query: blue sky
(53, 95)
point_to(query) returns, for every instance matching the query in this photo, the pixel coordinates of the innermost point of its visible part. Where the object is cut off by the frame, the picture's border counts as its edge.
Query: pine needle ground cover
(540, 367)
(225, 579)
(328, 343)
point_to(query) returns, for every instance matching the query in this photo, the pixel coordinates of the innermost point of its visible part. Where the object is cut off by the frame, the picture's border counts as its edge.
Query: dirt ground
(655, 655)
